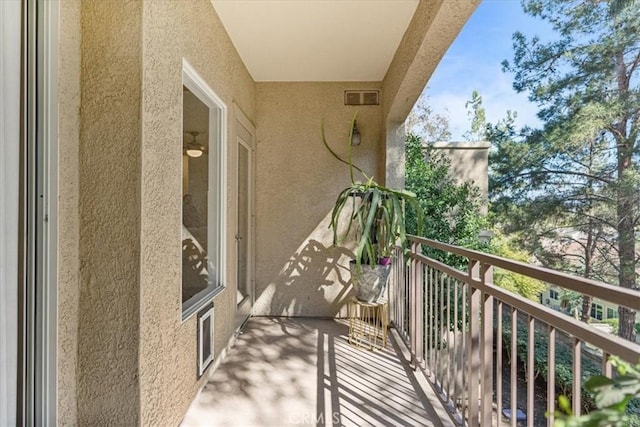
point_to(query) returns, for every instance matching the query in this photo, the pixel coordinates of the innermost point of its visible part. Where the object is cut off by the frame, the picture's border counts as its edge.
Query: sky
(474, 62)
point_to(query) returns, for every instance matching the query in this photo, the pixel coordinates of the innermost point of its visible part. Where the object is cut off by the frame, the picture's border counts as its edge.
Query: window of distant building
(596, 311)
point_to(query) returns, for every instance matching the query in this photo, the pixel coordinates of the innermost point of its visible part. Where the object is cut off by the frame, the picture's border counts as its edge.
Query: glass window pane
(195, 193)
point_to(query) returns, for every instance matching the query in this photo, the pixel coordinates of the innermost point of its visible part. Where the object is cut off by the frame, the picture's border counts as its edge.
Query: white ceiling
(316, 40)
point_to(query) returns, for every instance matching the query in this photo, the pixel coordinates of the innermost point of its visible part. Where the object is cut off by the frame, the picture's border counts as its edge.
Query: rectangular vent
(361, 97)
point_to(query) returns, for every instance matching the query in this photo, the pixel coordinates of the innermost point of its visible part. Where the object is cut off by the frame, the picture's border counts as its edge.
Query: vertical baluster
(441, 332)
(425, 317)
(455, 365)
(607, 369)
(530, 372)
(577, 376)
(413, 305)
(514, 366)
(420, 315)
(405, 301)
(432, 299)
(449, 369)
(400, 296)
(436, 325)
(499, 365)
(486, 346)
(551, 376)
(474, 346)
(463, 355)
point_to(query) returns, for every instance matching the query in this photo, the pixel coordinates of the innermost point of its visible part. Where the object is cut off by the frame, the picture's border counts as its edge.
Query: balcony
(445, 363)
(302, 371)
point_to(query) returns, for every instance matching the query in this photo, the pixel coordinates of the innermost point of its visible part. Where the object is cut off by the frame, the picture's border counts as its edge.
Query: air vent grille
(361, 97)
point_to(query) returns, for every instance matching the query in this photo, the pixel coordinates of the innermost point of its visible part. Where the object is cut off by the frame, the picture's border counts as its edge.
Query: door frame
(243, 313)
(10, 35)
(38, 403)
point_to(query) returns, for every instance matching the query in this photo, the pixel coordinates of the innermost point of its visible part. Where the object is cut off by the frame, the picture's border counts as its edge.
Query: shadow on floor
(302, 372)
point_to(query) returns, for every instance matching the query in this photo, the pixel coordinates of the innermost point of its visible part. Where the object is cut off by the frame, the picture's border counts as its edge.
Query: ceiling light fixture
(193, 149)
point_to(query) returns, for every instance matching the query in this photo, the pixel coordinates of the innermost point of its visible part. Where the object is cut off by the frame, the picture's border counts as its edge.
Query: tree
(451, 210)
(477, 116)
(427, 124)
(588, 86)
(517, 283)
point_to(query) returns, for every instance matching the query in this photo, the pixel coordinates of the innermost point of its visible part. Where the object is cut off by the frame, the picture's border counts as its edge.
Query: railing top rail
(622, 296)
(626, 350)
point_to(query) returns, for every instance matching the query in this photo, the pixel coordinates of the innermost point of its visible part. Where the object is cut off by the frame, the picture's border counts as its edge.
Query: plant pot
(370, 282)
(385, 260)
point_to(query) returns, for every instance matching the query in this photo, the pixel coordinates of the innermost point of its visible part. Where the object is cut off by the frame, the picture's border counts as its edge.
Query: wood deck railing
(454, 323)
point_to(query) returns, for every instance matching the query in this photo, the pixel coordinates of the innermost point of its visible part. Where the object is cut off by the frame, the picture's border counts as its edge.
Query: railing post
(474, 343)
(419, 309)
(487, 350)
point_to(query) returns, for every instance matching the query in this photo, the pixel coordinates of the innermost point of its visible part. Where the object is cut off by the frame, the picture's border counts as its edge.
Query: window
(612, 313)
(203, 195)
(596, 311)
(553, 294)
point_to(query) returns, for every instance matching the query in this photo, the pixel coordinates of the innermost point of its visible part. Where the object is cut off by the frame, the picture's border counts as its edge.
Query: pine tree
(587, 84)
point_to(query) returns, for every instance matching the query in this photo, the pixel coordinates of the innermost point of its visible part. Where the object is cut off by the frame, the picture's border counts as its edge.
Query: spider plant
(376, 213)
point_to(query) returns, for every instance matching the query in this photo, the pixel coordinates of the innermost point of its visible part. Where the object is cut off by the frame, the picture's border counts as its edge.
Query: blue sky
(474, 62)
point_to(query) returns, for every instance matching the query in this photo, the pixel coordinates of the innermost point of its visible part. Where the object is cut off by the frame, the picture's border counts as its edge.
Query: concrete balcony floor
(303, 372)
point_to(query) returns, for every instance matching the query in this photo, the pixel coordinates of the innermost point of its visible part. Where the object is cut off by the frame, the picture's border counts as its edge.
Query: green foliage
(563, 357)
(477, 115)
(451, 210)
(616, 400)
(517, 283)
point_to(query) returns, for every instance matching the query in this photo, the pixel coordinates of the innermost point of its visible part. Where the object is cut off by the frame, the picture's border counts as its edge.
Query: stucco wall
(298, 273)
(109, 205)
(137, 358)
(173, 30)
(469, 163)
(68, 221)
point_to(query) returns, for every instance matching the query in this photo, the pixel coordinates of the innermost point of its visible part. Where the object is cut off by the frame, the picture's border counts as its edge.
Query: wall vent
(361, 97)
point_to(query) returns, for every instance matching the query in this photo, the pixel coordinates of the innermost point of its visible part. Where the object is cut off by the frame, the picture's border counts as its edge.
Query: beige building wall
(108, 387)
(168, 346)
(125, 356)
(68, 219)
(469, 163)
(298, 272)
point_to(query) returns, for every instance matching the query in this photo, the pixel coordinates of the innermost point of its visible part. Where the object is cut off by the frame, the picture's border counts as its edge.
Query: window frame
(595, 307)
(217, 197)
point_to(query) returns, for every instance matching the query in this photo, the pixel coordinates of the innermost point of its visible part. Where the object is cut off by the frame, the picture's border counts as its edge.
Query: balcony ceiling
(316, 40)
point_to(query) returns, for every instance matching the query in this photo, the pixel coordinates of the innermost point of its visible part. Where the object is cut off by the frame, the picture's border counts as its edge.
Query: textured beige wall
(109, 205)
(173, 30)
(68, 221)
(298, 273)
